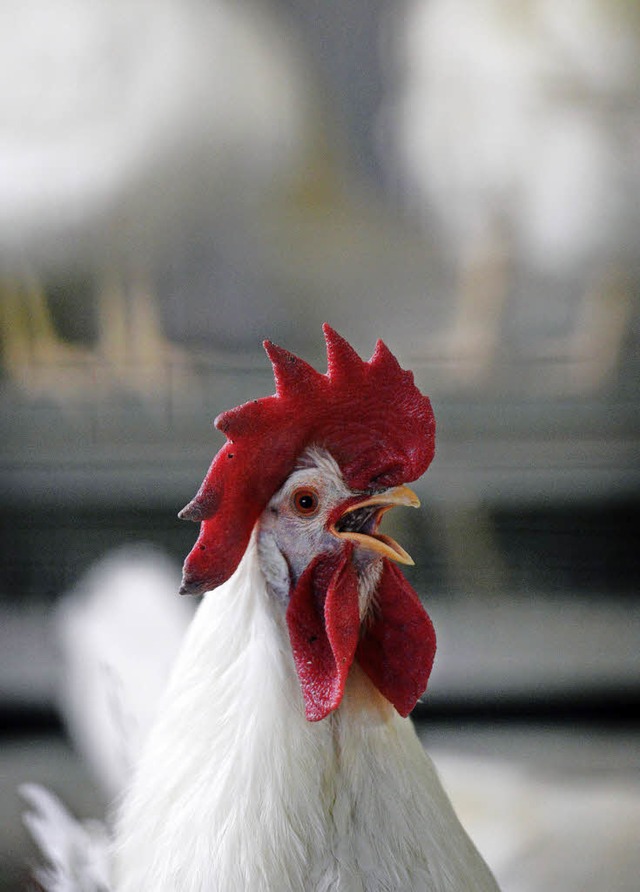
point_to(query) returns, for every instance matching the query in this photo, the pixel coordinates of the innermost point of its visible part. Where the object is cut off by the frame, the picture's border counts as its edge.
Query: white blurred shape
(126, 128)
(500, 111)
(569, 207)
(77, 854)
(115, 110)
(521, 121)
(578, 834)
(119, 631)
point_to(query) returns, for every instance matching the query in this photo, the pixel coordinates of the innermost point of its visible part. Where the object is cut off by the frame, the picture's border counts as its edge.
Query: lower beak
(372, 540)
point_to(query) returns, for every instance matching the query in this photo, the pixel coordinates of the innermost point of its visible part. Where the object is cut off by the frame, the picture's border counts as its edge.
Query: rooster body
(282, 756)
(349, 803)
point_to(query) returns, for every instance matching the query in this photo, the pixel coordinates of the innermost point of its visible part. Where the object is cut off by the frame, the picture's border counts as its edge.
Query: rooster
(282, 757)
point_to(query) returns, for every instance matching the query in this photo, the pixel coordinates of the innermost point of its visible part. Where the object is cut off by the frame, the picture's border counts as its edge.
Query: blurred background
(180, 179)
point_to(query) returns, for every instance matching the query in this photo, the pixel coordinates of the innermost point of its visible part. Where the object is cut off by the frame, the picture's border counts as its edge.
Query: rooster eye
(305, 501)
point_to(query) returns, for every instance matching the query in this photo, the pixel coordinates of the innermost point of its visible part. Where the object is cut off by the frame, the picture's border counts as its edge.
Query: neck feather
(236, 790)
(232, 757)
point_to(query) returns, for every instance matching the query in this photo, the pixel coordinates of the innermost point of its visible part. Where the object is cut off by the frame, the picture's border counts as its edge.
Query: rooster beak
(359, 522)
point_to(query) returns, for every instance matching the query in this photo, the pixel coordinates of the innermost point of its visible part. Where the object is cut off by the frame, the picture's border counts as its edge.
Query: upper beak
(368, 536)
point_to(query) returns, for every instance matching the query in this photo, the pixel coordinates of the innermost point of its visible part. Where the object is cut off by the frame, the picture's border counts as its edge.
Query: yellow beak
(372, 539)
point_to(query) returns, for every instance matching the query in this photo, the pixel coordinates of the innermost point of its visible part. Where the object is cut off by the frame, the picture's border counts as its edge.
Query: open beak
(359, 522)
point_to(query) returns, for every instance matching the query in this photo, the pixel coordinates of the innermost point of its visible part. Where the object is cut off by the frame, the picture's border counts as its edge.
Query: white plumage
(291, 804)
(119, 632)
(77, 854)
(235, 788)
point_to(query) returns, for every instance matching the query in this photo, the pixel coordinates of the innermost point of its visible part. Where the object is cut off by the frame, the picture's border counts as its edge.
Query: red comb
(369, 415)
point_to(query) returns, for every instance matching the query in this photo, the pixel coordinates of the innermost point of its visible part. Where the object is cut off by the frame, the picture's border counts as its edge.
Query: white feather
(119, 633)
(77, 854)
(237, 790)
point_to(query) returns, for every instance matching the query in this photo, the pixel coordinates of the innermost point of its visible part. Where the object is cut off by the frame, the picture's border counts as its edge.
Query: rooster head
(316, 465)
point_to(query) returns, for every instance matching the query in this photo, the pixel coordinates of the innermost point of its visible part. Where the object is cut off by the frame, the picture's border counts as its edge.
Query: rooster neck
(237, 790)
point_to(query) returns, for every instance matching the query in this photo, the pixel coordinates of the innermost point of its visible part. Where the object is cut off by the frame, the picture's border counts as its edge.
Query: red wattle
(396, 649)
(399, 645)
(324, 624)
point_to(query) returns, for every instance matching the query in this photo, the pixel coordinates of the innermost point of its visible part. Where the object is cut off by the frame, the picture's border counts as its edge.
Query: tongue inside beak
(359, 523)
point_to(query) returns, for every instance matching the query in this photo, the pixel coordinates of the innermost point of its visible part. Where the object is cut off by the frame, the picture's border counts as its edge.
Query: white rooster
(513, 134)
(282, 757)
(125, 128)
